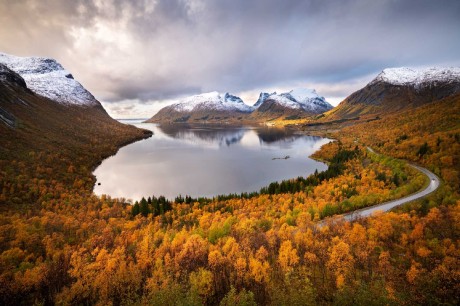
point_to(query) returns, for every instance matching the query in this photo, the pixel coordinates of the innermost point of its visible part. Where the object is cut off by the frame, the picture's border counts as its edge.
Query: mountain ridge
(396, 89)
(417, 77)
(48, 78)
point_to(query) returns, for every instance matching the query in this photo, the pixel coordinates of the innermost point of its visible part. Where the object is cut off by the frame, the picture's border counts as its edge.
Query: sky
(139, 56)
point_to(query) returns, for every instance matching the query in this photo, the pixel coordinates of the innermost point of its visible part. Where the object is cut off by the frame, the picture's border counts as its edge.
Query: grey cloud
(158, 49)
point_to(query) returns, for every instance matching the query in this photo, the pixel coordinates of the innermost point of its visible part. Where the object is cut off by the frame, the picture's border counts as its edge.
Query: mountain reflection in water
(228, 135)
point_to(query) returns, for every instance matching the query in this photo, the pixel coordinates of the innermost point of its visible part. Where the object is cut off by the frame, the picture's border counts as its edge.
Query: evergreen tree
(144, 207)
(135, 209)
(423, 150)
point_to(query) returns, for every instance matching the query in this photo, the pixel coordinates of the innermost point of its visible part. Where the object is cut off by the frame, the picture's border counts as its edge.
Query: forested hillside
(49, 149)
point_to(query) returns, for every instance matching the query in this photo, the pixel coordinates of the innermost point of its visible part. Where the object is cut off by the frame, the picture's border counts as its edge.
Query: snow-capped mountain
(300, 100)
(37, 123)
(212, 101)
(216, 107)
(396, 89)
(206, 107)
(48, 78)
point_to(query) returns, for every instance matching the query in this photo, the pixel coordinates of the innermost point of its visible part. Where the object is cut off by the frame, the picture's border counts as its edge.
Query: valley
(63, 244)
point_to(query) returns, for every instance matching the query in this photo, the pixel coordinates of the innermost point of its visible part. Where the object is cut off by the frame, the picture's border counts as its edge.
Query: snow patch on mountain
(286, 100)
(212, 101)
(417, 77)
(48, 78)
(298, 98)
(303, 94)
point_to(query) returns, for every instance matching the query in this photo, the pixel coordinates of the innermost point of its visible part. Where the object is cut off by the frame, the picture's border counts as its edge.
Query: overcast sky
(136, 56)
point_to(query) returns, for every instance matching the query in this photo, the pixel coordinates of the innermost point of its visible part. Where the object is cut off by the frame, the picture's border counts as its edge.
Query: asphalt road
(386, 206)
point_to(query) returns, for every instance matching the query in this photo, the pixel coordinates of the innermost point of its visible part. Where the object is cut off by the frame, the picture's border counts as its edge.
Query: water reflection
(228, 135)
(269, 135)
(211, 134)
(206, 161)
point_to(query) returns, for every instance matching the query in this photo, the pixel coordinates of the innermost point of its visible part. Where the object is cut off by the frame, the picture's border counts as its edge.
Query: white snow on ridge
(298, 98)
(310, 100)
(212, 100)
(417, 77)
(48, 78)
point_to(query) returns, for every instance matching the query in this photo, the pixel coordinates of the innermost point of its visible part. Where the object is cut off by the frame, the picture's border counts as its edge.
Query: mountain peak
(231, 98)
(299, 98)
(46, 77)
(213, 101)
(262, 97)
(417, 77)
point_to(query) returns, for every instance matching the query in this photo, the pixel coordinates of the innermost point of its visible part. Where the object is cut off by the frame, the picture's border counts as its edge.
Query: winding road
(386, 206)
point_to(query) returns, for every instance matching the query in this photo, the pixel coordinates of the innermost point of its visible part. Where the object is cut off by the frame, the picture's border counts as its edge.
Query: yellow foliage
(201, 282)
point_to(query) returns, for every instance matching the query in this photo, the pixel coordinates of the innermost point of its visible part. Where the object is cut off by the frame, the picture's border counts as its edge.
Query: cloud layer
(156, 50)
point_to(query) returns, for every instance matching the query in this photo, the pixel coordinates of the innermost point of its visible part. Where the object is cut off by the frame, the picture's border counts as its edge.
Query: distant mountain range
(393, 90)
(396, 89)
(216, 107)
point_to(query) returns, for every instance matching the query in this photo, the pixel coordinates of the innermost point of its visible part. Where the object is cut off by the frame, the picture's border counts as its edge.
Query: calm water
(206, 161)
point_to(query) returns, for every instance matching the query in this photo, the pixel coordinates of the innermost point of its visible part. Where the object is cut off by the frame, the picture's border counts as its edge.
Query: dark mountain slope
(66, 140)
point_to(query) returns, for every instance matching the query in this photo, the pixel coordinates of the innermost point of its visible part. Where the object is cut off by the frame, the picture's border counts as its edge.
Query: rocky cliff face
(9, 76)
